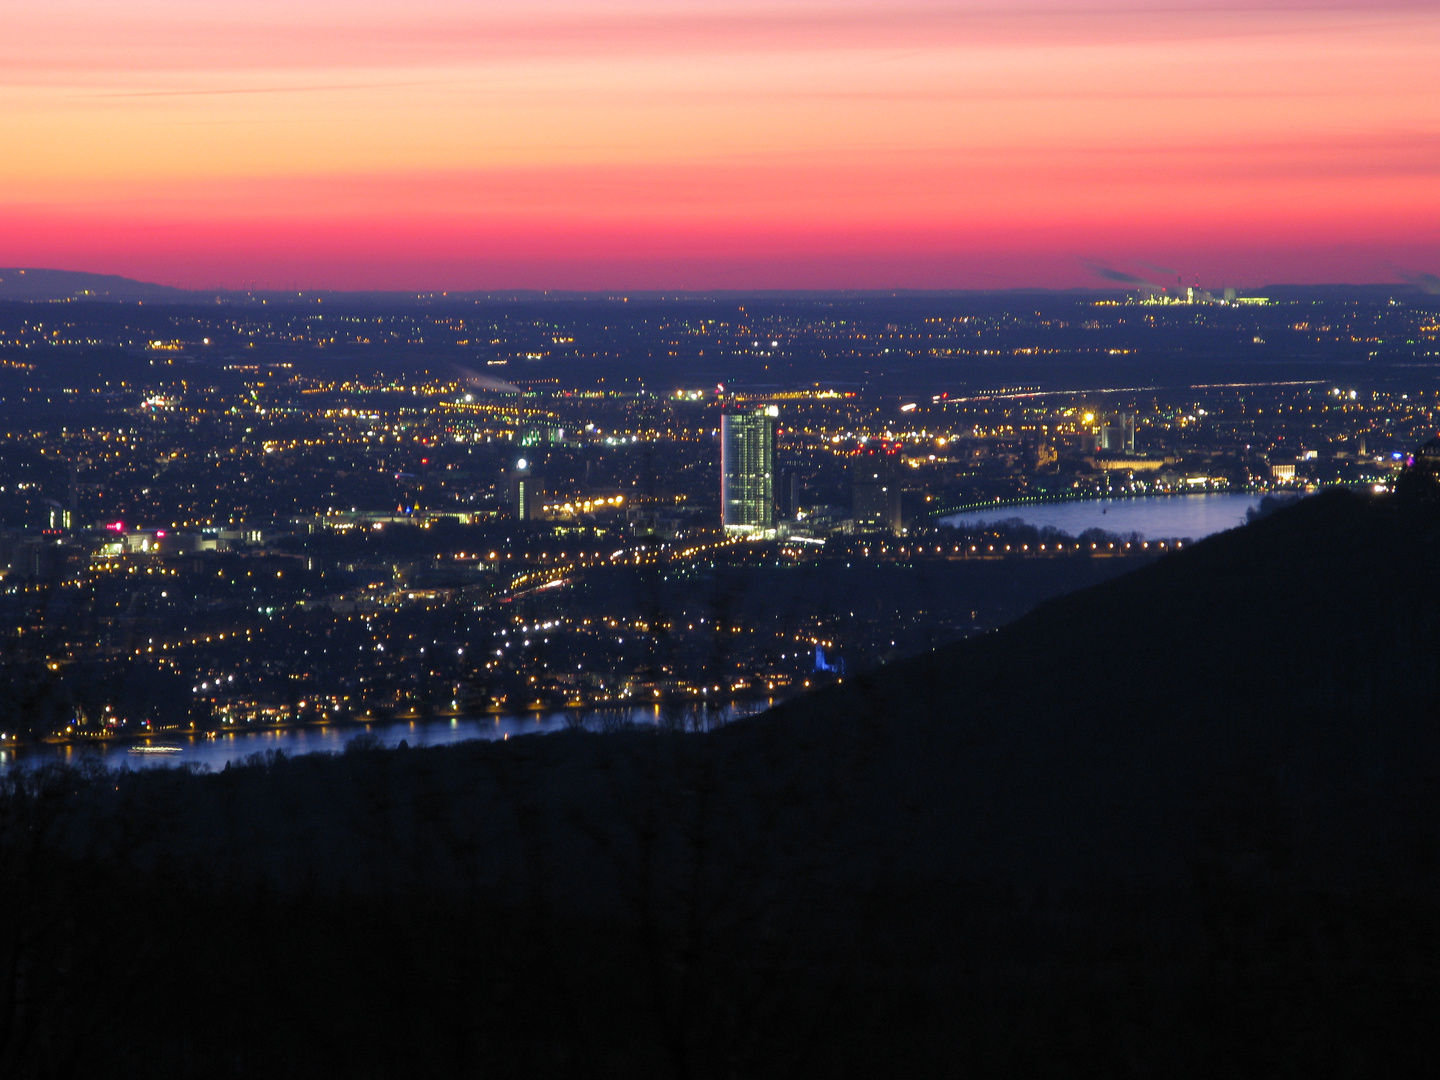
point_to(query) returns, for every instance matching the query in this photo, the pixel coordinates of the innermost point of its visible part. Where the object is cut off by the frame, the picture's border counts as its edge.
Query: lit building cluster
(217, 536)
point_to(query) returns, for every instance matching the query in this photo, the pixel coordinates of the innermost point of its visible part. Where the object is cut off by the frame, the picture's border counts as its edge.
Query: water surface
(216, 753)
(1154, 517)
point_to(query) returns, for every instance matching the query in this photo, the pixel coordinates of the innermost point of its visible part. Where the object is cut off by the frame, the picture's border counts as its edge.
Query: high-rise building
(787, 495)
(747, 469)
(875, 487)
(1117, 433)
(526, 489)
(1109, 433)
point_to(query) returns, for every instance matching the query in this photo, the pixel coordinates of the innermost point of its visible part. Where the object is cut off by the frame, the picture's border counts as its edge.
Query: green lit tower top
(747, 469)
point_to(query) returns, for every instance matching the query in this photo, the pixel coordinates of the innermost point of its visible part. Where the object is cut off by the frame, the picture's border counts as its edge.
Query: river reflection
(1154, 517)
(215, 753)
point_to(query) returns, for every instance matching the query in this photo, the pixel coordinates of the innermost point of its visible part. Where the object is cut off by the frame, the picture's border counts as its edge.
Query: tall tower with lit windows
(747, 469)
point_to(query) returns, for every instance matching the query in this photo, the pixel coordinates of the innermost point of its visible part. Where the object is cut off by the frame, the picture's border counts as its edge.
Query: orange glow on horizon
(710, 143)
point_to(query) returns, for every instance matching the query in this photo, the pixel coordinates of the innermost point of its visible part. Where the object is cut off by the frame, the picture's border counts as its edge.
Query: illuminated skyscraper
(747, 469)
(526, 489)
(1117, 433)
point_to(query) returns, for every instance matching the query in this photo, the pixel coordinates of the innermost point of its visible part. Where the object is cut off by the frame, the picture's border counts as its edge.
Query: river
(215, 753)
(1154, 517)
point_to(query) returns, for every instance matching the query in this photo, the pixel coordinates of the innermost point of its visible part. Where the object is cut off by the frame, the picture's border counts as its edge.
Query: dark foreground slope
(1184, 823)
(1289, 670)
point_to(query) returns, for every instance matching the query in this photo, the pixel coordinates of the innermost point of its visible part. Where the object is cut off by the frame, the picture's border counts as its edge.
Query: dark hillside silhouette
(1291, 662)
(1183, 823)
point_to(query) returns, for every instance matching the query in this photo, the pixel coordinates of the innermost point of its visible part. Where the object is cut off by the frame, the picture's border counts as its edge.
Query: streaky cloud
(1110, 273)
(262, 90)
(1429, 283)
(480, 381)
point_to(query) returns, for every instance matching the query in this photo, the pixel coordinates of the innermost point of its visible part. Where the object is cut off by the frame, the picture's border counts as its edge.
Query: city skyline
(242, 512)
(721, 145)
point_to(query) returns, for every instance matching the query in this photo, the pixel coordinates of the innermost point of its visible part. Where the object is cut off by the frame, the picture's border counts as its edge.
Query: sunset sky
(614, 144)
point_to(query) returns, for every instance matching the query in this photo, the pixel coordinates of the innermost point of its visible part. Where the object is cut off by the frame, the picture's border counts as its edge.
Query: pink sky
(719, 143)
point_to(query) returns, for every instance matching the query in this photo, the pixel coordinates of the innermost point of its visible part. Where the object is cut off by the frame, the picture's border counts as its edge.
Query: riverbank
(231, 745)
(385, 717)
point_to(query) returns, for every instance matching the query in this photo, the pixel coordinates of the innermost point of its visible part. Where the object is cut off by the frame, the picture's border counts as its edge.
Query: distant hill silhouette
(41, 284)
(1183, 823)
(31, 283)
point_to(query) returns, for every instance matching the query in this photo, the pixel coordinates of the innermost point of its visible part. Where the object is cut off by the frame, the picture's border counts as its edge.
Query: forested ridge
(1181, 823)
